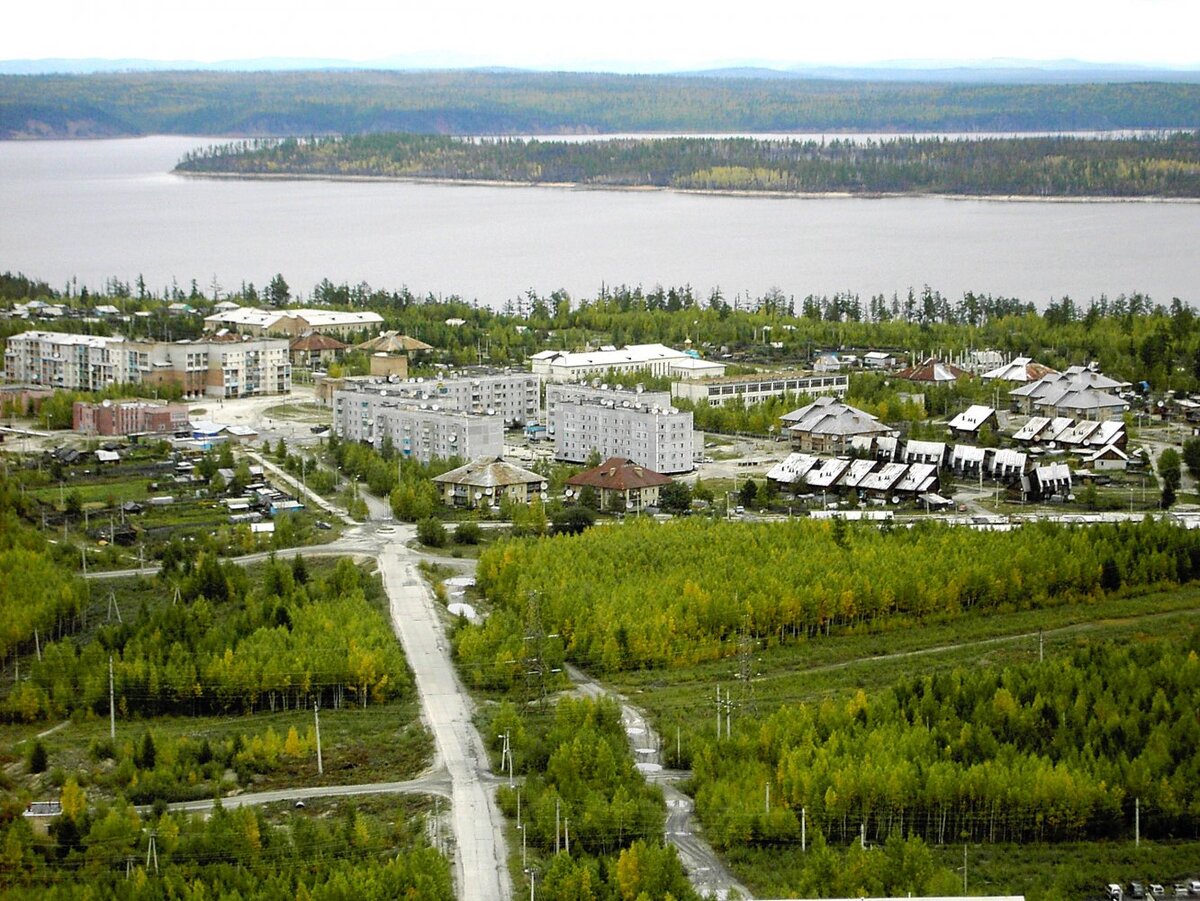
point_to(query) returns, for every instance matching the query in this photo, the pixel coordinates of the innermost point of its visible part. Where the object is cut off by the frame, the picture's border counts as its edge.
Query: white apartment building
(515, 397)
(754, 389)
(558, 394)
(561, 366)
(226, 367)
(61, 360)
(419, 430)
(638, 426)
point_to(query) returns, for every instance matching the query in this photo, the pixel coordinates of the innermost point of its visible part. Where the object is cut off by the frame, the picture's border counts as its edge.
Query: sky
(613, 35)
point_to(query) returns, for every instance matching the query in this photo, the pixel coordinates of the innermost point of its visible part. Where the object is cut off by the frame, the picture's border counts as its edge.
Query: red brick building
(128, 418)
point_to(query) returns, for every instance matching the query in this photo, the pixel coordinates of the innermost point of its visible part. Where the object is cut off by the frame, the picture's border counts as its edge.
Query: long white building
(253, 321)
(212, 367)
(639, 426)
(655, 359)
(754, 389)
(420, 430)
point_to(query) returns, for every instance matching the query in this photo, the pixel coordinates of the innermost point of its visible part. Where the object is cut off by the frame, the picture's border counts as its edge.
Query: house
(792, 470)
(971, 421)
(1047, 480)
(1020, 369)
(390, 352)
(314, 350)
(1078, 392)
(933, 452)
(1108, 458)
(878, 359)
(828, 426)
(1006, 464)
(634, 487)
(827, 362)
(967, 460)
(933, 371)
(487, 482)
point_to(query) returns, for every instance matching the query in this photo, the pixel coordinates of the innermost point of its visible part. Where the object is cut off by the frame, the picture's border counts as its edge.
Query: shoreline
(706, 192)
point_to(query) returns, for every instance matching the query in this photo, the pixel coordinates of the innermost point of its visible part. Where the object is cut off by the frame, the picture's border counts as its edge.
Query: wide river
(97, 209)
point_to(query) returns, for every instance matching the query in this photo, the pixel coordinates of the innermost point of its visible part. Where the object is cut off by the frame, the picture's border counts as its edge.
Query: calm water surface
(95, 209)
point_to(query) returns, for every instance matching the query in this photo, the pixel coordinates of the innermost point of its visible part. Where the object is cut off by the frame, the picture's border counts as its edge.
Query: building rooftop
(490, 472)
(619, 474)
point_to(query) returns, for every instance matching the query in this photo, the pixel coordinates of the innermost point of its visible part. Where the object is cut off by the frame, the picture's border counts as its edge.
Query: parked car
(1113, 892)
(1156, 890)
(322, 524)
(1136, 890)
(1194, 886)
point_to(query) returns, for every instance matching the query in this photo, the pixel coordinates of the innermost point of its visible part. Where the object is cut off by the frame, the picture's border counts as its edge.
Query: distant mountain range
(997, 71)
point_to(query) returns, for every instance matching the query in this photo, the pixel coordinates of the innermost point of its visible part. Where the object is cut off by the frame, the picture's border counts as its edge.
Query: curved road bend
(705, 869)
(481, 855)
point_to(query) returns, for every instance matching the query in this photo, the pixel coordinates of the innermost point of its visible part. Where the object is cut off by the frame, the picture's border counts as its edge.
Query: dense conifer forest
(507, 103)
(1165, 166)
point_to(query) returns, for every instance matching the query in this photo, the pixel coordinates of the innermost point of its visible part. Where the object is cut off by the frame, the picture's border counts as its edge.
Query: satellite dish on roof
(569, 492)
(895, 499)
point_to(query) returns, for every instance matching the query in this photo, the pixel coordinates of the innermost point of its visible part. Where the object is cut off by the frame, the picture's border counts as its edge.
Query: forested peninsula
(1164, 166)
(245, 104)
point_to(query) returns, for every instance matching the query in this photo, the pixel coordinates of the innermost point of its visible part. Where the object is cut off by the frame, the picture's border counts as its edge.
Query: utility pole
(718, 712)
(317, 719)
(112, 707)
(964, 869)
(1041, 649)
(152, 853)
(803, 828)
(567, 830)
(556, 825)
(767, 805)
(1137, 822)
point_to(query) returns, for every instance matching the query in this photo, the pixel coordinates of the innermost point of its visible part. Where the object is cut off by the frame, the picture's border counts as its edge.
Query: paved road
(704, 868)
(436, 782)
(481, 851)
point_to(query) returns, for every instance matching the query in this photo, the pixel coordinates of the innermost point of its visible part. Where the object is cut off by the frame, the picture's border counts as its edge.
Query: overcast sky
(618, 35)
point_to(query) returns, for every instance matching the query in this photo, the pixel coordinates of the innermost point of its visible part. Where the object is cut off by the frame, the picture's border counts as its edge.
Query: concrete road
(481, 853)
(705, 870)
(432, 783)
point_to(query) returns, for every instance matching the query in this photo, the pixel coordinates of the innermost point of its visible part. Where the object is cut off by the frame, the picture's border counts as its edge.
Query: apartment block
(515, 397)
(214, 367)
(420, 430)
(641, 426)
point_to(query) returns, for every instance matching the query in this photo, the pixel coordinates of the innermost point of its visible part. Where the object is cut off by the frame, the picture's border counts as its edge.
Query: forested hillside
(1167, 166)
(304, 103)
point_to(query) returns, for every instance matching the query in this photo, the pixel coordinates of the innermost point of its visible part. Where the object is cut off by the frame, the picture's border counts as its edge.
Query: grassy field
(378, 743)
(300, 412)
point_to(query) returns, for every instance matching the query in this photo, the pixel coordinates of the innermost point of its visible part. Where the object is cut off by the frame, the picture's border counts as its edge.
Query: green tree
(431, 532)
(572, 520)
(37, 757)
(1191, 457)
(675, 497)
(1169, 469)
(468, 533)
(589, 497)
(747, 493)
(277, 292)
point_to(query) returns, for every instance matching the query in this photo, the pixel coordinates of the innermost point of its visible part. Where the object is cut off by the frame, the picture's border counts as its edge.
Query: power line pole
(317, 720)
(112, 707)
